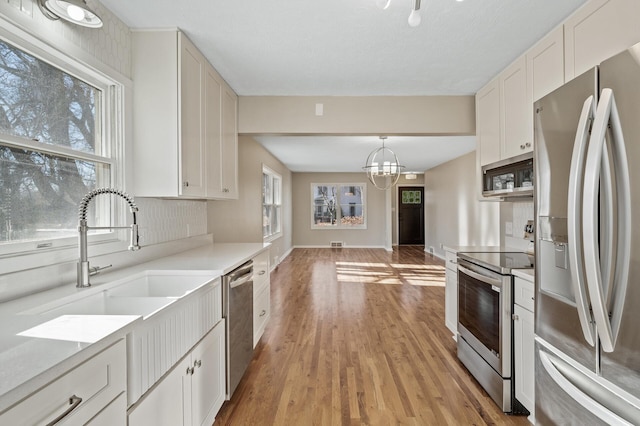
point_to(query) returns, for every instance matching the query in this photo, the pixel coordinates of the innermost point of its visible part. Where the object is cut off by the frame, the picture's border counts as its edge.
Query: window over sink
(58, 141)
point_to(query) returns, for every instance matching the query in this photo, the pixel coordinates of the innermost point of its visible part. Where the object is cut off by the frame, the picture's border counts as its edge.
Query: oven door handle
(496, 285)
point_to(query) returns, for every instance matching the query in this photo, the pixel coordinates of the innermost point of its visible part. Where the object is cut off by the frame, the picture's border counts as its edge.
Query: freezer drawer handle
(578, 395)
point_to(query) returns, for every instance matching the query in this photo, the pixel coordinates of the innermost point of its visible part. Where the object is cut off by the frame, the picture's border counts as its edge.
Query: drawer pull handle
(74, 402)
(197, 363)
(263, 313)
(261, 272)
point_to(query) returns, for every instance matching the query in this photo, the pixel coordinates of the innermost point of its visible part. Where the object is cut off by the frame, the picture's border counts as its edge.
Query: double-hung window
(271, 204)
(53, 150)
(335, 205)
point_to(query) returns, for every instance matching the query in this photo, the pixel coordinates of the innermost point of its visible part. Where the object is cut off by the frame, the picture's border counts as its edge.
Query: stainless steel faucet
(84, 270)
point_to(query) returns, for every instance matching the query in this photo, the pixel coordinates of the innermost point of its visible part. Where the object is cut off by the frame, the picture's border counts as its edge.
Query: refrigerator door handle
(607, 326)
(574, 216)
(577, 394)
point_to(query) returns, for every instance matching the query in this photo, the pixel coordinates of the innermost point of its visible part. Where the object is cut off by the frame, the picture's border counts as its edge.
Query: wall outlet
(508, 228)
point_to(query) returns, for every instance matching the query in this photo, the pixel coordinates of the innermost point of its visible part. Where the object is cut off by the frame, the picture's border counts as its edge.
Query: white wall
(453, 214)
(240, 221)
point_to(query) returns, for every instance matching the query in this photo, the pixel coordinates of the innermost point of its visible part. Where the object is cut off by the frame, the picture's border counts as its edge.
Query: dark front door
(410, 215)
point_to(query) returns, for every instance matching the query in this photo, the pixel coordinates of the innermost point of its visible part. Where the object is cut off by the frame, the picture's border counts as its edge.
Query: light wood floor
(357, 337)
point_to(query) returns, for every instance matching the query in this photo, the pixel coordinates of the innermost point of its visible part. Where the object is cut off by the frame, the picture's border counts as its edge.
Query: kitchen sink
(178, 308)
(159, 283)
(105, 304)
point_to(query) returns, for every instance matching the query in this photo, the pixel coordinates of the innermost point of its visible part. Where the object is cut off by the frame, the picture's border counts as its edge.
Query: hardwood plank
(357, 337)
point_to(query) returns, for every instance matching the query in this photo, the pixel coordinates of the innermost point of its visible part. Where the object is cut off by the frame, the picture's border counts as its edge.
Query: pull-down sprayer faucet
(84, 271)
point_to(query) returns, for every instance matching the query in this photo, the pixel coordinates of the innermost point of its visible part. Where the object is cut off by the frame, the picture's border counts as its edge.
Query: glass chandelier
(382, 167)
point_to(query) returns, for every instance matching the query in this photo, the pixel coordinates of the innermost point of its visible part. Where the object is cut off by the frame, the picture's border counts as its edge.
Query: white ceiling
(353, 48)
(348, 154)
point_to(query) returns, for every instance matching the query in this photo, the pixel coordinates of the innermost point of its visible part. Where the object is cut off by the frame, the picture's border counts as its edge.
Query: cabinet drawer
(91, 386)
(261, 266)
(261, 313)
(452, 260)
(524, 293)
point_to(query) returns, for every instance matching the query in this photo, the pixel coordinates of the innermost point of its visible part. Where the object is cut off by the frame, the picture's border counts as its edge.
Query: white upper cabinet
(545, 65)
(488, 123)
(517, 119)
(183, 130)
(599, 30)
(504, 107)
(192, 119)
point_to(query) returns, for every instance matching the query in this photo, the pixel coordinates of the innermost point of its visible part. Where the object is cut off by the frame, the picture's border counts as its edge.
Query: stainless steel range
(485, 304)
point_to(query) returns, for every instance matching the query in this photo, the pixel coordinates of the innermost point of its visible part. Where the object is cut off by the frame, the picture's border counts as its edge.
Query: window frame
(113, 117)
(339, 225)
(266, 170)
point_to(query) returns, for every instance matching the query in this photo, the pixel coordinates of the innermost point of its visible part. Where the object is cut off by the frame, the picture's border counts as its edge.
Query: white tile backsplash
(167, 220)
(516, 213)
(522, 212)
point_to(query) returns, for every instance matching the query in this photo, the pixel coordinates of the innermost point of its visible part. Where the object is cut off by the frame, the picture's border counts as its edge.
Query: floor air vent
(336, 244)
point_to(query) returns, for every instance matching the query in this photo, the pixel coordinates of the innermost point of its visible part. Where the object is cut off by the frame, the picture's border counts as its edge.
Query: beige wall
(397, 115)
(453, 214)
(303, 235)
(240, 221)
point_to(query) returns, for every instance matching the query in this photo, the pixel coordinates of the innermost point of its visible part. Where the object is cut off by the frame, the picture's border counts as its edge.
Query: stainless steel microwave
(512, 177)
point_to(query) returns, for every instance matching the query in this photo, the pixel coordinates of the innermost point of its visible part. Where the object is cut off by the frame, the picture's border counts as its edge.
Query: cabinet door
(192, 147)
(229, 162)
(261, 312)
(451, 301)
(213, 136)
(488, 122)
(599, 30)
(164, 404)
(524, 356)
(517, 116)
(208, 379)
(545, 65)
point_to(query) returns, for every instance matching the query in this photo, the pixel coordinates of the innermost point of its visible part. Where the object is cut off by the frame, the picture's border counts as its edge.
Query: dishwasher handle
(242, 279)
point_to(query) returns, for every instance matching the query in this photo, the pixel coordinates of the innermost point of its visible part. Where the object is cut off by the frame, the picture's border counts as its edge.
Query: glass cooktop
(500, 262)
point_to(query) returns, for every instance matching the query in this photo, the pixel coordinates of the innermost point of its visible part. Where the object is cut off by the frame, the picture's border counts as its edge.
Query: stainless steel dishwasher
(237, 293)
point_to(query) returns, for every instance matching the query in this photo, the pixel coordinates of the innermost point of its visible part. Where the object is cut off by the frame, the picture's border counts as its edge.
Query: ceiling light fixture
(74, 11)
(414, 17)
(382, 167)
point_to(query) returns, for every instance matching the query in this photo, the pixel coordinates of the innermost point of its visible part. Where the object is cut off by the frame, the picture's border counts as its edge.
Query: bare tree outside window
(46, 115)
(338, 206)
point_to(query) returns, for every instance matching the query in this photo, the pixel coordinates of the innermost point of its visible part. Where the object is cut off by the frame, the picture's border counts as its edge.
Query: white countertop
(527, 274)
(28, 360)
(481, 249)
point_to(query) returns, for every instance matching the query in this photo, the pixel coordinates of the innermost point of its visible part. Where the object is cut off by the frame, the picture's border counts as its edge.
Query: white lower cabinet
(91, 393)
(261, 295)
(451, 293)
(524, 338)
(192, 392)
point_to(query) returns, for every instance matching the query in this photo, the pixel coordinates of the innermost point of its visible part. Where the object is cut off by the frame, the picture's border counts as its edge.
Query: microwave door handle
(574, 216)
(491, 281)
(606, 113)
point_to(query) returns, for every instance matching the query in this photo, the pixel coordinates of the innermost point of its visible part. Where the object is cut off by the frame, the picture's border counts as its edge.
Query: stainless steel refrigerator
(587, 203)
